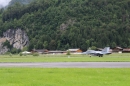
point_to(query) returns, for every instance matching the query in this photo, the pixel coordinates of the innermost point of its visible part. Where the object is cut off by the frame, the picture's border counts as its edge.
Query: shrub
(10, 54)
(68, 52)
(21, 54)
(35, 54)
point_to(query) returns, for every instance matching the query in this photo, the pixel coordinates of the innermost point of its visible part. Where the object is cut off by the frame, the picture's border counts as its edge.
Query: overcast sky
(4, 2)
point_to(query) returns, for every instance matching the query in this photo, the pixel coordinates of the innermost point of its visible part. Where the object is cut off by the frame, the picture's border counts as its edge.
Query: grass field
(64, 58)
(64, 77)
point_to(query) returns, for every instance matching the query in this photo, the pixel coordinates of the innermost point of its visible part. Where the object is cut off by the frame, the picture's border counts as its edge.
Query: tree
(68, 52)
(7, 43)
(15, 51)
(30, 47)
(45, 44)
(52, 45)
(25, 49)
(93, 48)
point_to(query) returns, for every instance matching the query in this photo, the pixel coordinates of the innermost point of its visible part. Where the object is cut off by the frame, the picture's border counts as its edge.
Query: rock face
(3, 49)
(17, 38)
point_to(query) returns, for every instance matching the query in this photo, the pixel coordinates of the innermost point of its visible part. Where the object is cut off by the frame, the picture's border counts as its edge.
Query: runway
(69, 65)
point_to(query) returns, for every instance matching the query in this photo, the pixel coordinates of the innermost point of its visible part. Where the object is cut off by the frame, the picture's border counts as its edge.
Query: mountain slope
(12, 2)
(62, 24)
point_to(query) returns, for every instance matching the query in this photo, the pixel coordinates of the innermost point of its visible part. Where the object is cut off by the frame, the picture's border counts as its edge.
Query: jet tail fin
(106, 50)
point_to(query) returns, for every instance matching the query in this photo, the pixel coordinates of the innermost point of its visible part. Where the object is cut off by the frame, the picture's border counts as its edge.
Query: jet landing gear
(100, 55)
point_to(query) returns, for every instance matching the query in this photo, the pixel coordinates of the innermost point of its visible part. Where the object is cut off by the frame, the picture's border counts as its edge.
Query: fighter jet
(106, 50)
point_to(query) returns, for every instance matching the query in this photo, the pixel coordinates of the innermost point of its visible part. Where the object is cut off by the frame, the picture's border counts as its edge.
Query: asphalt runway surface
(70, 65)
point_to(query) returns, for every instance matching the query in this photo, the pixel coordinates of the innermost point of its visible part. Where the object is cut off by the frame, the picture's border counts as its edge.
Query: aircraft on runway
(106, 50)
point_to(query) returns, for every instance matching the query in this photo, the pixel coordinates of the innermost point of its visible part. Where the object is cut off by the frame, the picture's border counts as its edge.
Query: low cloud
(4, 3)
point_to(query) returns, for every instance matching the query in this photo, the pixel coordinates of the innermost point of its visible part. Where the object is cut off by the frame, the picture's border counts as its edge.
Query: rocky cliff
(17, 38)
(3, 49)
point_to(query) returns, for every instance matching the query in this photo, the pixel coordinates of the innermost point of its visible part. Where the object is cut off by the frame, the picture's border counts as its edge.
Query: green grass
(64, 77)
(64, 58)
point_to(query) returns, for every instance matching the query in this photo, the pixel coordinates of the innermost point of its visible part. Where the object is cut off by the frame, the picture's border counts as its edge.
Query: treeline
(63, 24)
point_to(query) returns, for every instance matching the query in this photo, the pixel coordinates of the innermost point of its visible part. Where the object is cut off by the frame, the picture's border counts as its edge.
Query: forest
(63, 24)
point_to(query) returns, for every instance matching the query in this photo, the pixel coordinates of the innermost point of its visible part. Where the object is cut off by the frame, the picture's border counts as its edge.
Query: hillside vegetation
(63, 24)
(12, 2)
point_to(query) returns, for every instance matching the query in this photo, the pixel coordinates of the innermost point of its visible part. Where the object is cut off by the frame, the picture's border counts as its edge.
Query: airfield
(59, 70)
(64, 61)
(70, 65)
(115, 57)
